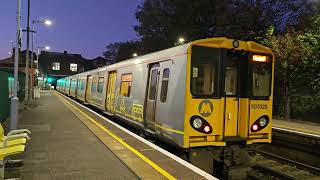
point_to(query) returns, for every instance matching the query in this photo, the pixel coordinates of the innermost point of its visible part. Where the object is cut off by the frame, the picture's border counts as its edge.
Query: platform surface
(62, 147)
(70, 141)
(300, 126)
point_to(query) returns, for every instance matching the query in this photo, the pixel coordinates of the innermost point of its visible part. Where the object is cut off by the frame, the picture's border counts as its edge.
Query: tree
(162, 22)
(297, 77)
(288, 51)
(119, 51)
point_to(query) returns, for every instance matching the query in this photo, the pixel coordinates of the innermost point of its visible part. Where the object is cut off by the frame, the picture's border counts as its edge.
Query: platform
(298, 126)
(69, 141)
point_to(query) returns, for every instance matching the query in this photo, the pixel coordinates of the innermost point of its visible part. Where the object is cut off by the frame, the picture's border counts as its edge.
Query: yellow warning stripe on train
(136, 152)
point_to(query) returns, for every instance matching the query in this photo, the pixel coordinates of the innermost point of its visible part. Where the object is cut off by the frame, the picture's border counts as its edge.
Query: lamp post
(27, 57)
(46, 22)
(15, 100)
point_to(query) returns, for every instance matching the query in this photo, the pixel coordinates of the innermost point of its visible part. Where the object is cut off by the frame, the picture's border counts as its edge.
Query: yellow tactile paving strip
(306, 127)
(143, 169)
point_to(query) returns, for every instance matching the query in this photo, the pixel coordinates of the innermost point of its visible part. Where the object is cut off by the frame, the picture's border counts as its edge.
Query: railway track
(270, 166)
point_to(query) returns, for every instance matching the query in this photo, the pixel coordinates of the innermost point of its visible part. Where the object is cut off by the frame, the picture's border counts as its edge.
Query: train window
(164, 85)
(153, 84)
(73, 84)
(230, 86)
(94, 85)
(204, 70)
(125, 87)
(261, 79)
(82, 85)
(100, 84)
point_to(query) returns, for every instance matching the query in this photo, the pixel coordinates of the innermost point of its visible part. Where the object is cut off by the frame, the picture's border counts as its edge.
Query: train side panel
(81, 89)
(130, 92)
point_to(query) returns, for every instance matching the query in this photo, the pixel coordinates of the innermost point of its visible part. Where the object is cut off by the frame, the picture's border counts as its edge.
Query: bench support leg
(1, 169)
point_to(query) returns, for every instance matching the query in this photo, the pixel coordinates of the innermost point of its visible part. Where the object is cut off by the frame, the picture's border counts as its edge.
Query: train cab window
(100, 84)
(261, 78)
(204, 70)
(125, 87)
(230, 86)
(164, 85)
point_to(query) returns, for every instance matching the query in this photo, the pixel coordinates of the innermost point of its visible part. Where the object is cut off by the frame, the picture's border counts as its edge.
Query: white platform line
(296, 132)
(159, 149)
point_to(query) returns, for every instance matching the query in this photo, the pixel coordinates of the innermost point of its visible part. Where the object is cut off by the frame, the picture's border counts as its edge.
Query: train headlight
(263, 121)
(200, 124)
(197, 123)
(260, 123)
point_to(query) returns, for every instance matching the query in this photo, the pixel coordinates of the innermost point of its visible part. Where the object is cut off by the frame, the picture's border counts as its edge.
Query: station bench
(11, 144)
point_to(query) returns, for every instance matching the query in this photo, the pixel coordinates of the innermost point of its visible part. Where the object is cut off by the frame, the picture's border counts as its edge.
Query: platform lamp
(181, 40)
(45, 22)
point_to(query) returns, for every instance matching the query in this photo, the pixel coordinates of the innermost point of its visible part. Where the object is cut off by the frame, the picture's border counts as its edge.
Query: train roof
(218, 42)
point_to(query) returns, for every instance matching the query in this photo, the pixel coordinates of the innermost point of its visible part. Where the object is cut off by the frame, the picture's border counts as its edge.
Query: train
(211, 97)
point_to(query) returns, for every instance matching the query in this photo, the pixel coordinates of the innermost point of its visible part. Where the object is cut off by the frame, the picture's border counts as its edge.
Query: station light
(47, 22)
(50, 80)
(181, 40)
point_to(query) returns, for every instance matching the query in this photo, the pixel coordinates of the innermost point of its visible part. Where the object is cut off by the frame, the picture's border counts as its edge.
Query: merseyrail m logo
(205, 108)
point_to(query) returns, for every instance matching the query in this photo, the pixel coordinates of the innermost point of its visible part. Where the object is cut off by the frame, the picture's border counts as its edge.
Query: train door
(161, 110)
(112, 77)
(231, 96)
(151, 101)
(88, 88)
(154, 108)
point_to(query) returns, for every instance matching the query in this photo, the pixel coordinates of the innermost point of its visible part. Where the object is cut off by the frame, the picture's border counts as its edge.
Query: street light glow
(47, 48)
(135, 55)
(47, 22)
(181, 40)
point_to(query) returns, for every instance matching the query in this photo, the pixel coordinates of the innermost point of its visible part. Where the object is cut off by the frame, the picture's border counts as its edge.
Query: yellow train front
(228, 101)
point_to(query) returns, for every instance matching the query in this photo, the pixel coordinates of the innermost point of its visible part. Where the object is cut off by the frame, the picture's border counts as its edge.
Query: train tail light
(200, 124)
(260, 123)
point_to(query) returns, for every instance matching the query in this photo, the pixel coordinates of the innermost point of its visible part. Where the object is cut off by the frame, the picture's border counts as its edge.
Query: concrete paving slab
(62, 147)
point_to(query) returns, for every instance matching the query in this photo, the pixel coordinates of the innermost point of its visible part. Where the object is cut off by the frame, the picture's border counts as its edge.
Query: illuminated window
(73, 67)
(125, 88)
(55, 66)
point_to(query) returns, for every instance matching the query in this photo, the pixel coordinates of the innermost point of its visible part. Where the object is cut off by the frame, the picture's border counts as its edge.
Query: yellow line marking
(295, 129)
(168, 129)
(144, 158)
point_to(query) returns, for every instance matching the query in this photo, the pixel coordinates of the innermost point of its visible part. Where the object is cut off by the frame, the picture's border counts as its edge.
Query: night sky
(80, 26)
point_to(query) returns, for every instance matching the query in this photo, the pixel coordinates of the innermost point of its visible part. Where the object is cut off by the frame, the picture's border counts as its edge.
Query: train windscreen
(204, 70)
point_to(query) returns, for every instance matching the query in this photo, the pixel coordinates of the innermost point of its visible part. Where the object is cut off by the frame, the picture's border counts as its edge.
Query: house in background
(52, 66)
(56, 65)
